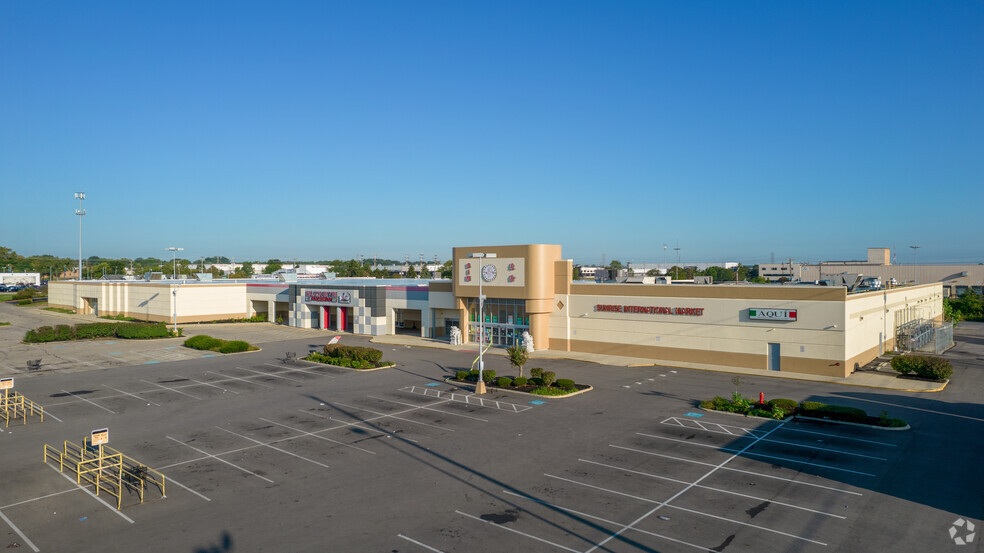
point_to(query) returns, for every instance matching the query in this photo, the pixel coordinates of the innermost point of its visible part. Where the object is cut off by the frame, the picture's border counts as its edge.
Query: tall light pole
(664, 258)
(80, 212)
(480, 385)
(915, 280)
(678, 263)
(174, 252)
(174, 292)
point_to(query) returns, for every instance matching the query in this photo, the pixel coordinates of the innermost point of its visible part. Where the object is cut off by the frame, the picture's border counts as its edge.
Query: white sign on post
(100, 437)
(6, 383)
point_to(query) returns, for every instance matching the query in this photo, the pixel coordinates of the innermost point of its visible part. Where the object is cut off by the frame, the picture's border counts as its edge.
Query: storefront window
(504, 320)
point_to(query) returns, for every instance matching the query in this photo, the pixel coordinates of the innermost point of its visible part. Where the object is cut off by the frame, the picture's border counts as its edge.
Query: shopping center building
(769, 327)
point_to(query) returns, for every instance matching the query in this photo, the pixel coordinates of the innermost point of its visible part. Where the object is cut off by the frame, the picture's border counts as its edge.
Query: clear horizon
(322, 130)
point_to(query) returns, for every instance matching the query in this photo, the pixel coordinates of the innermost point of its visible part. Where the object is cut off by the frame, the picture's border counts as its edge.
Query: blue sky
(323, 130)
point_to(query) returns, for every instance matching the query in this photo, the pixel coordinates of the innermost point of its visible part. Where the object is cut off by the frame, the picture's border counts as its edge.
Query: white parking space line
(316, 435)
(94, 496)
(227, 376)
(33, 499)
(180, 485)
(219, 459)
(19, 533)
(175, 390)
(430, 409)
(751, 454)
(753, 473)
(272, 375)
(300, 370)
(721, 428)
(468, 399)
(48, 414)
(395, 417)
(132, 395)
(681, 492)
(284, 451)
(89, 401)
(203, 383)
(886, 444)
(605, 520)
(919, 409)
(513, 530)
(360, 424)
(720, 490)
(842, 452)
(424, 545)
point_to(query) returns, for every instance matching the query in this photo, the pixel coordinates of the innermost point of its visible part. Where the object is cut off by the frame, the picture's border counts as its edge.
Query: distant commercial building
(14, 279)
(955, 278)
(530, 288)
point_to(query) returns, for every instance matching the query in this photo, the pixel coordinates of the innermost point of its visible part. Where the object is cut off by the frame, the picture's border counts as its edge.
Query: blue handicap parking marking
(171, 347)
(695, 415)
(433, 384)
(209, 355)
(150, 362)
(59, 347)
(537, 402)
(110, 342)
(116, 353)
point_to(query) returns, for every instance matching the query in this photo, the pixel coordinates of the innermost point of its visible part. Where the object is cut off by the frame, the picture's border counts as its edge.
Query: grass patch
(59, 310)
(119, 317)
(6, 297)
(207, 343)
(2, 323)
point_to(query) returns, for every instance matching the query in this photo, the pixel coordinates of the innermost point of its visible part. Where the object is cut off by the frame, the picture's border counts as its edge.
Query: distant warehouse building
(529, 288)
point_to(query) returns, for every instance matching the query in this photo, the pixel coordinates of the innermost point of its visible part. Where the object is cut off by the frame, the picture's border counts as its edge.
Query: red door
(343, 317)
(325, 317)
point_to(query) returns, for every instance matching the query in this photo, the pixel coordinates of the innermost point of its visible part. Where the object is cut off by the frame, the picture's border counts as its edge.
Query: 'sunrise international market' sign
(649, 310)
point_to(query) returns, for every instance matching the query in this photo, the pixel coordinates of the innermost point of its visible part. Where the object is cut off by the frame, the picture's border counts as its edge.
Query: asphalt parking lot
(263, 455)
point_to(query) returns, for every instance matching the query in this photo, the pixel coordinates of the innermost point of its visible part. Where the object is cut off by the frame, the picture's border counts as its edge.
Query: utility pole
(80, 212)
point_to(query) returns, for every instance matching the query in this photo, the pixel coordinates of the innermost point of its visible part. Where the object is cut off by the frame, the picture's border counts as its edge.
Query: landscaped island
(352, 357)
(541, 383)
(781, 408)
(207, 343)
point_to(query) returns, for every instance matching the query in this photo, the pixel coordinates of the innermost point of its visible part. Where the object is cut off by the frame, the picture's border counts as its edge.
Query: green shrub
(807, 406)
(905, 364)
(781, 405)
(473, 375)
(355, 353)
(132, 331)
(548, 377)
(488, 376)
(234, 346)
(203, 342)
(833, 412)
(536, 381)
(503, 382)
(536, 373)
(760, 413)
(566, 384)
(27, 301)
(520, 381)
(936, 368)
(24, 294)
(461, 375)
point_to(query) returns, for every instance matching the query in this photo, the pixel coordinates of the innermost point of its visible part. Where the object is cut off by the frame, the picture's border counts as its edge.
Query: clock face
(488, 273)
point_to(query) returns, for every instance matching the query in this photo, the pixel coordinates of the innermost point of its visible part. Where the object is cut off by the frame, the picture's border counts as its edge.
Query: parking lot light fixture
(174, 258)
(80, 212)
(480, 385)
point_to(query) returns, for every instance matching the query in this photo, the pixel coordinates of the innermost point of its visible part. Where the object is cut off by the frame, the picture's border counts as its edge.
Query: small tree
(518, 356)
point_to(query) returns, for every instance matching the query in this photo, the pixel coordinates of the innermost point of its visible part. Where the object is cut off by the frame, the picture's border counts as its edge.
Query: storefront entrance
(498, 334)
(342, 318)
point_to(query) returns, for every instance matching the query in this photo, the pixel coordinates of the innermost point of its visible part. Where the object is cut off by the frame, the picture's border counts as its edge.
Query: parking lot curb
(888, 428)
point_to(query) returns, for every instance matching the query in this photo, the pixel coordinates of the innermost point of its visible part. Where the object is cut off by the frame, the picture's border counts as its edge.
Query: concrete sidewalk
(870, 379)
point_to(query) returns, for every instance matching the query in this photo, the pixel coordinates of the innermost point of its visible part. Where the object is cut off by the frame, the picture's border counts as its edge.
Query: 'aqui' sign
(772, 314)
